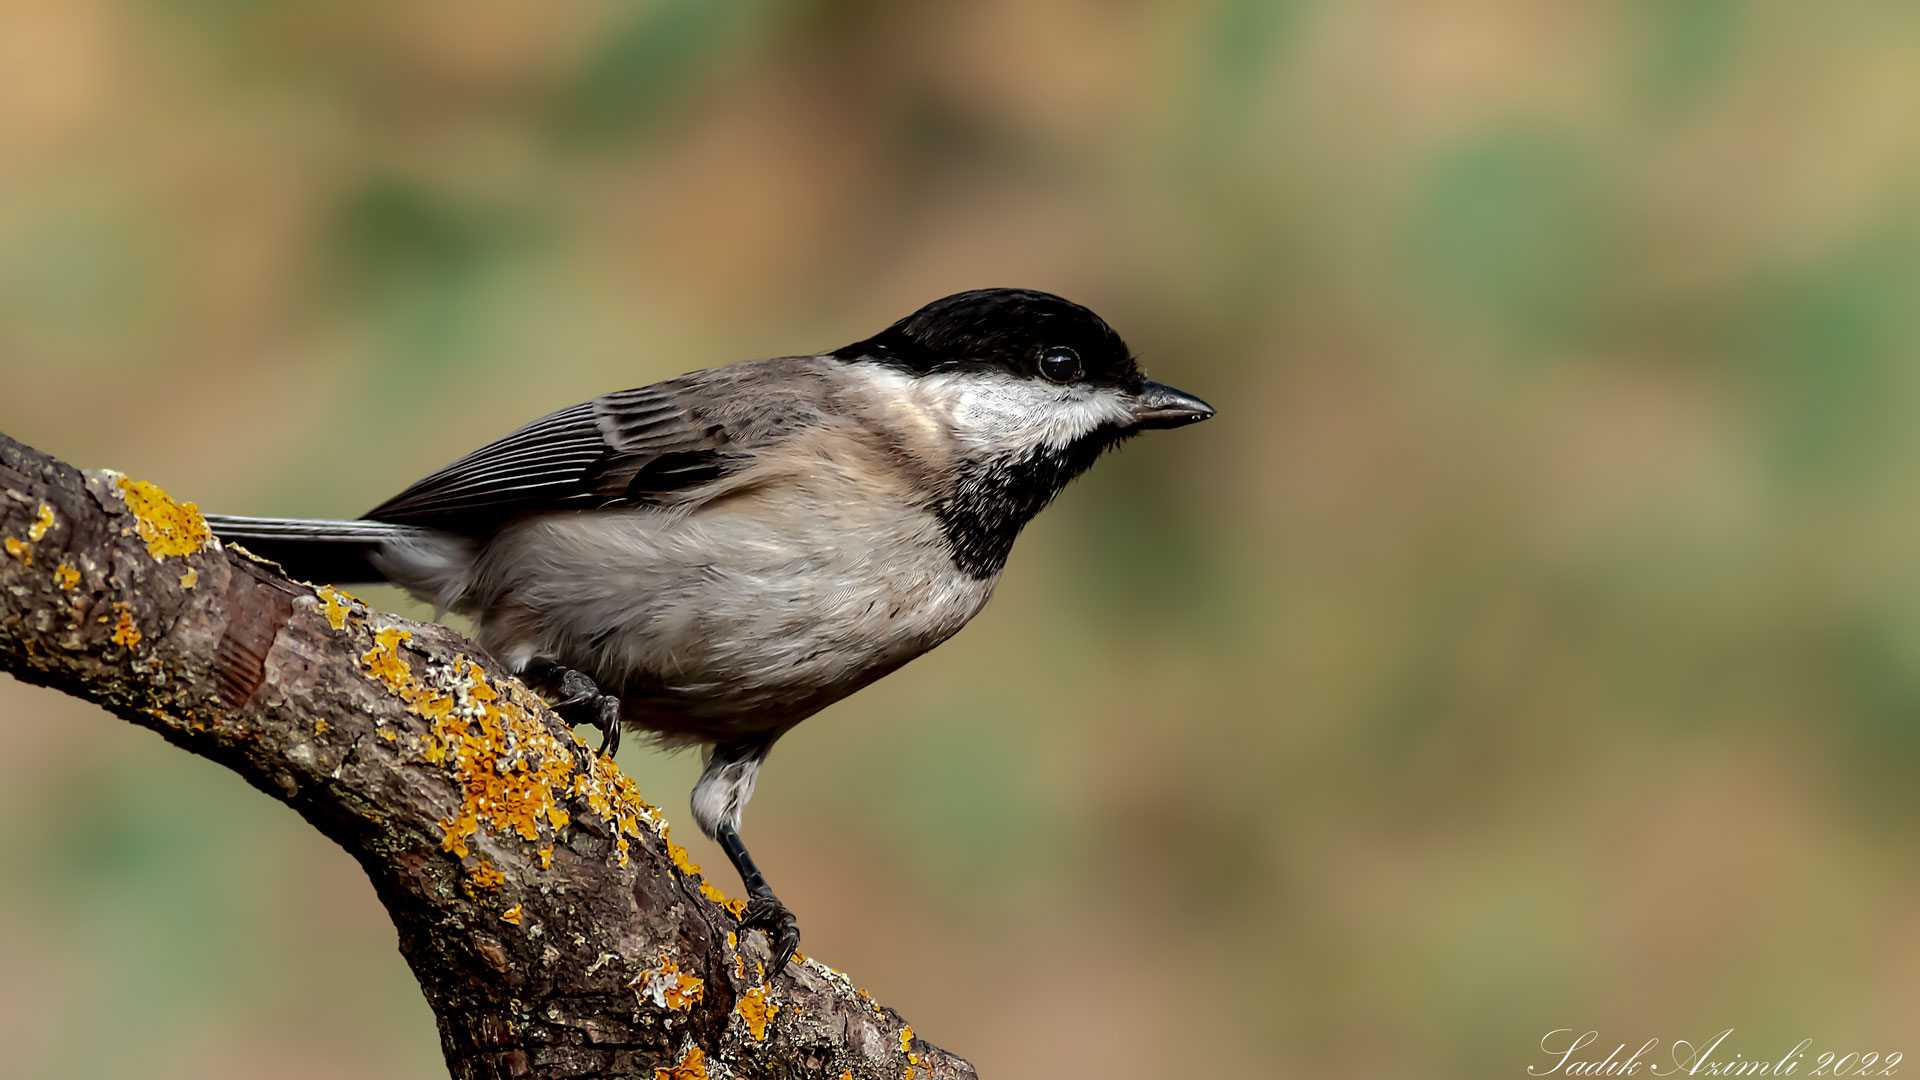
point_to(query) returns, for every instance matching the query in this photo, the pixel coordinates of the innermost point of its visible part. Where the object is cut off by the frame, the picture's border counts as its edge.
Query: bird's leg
(577, 693)
(765, 912)
(722, 793)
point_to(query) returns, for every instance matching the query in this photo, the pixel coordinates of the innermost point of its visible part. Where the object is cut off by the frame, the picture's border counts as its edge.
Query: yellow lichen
(707, 889)
(546, 857)
(680, 858)
(19, 550)
(124, 632)
(756, 1010)
(485, 875)
(906, 1047)
(189, 579)
(511, 915)
(693, 1066)
(67, 576)
(41, 523)
(168, 527)
(320, 727)
(335, 606)
(515, 774)
(613, 795)
(846, 1074)
(668, 987)
(385, 663)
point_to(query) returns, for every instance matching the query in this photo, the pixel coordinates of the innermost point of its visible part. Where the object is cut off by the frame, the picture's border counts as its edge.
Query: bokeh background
(1533, 641)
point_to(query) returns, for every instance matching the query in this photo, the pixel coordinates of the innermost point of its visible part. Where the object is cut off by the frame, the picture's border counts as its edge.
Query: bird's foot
(579, 700)
(767, 914)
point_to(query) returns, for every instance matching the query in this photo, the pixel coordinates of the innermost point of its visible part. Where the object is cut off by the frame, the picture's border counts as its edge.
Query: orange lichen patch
(691, 1067)
(846, 1074)
(485, 875)
(67, 576)
(546, 857)
(189, 579)
(19, 550)
(335, 605)
(668, 987)
(320, 727)
(124, 632)
(756, 1010)
(511, 915)
(515, 774)
(385, 663)
(41, 523)
(906, 1047)
(680, 858)
(707, 888)
(613, 795)
(168, 527)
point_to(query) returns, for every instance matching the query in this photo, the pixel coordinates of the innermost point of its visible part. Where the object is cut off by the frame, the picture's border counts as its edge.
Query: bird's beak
(1157, 406)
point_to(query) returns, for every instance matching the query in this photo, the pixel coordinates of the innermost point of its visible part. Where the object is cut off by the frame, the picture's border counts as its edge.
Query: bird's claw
(607, 719)
(767, 914)
(575, 689)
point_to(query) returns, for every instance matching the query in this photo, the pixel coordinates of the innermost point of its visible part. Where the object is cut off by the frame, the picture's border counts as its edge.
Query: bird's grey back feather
(629, 448)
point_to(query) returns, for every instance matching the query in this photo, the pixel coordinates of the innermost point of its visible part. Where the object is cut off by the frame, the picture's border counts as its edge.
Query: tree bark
(554, 928)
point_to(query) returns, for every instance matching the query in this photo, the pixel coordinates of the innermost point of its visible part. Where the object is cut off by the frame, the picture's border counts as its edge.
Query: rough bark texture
(554, 928)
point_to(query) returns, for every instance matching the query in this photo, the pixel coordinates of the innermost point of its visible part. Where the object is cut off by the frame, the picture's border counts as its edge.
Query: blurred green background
(1532, 642)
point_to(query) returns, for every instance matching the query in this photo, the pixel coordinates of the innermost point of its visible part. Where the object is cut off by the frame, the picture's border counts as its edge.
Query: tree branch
(553, 927)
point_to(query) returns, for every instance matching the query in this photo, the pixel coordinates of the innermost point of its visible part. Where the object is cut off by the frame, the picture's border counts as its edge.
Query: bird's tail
(327, 551)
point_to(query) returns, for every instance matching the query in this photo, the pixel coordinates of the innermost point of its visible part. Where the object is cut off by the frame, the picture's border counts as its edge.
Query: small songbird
(715, 558)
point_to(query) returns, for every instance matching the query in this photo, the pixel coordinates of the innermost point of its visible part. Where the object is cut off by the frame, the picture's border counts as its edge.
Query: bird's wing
(630, 448)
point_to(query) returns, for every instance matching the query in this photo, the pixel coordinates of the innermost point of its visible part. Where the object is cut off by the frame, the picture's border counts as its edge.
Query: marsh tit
(715, 558)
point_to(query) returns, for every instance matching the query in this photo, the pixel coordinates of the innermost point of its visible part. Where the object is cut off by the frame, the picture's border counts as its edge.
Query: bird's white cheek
(1019, 414)
(1084, 413)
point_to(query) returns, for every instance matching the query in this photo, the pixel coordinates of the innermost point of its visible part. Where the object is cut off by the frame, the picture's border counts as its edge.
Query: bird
(714, 558)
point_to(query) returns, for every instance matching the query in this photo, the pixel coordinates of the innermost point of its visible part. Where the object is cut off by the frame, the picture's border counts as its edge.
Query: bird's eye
(1060, 364)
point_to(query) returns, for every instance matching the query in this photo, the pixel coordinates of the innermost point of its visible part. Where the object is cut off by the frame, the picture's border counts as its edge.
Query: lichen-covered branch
(555, 929)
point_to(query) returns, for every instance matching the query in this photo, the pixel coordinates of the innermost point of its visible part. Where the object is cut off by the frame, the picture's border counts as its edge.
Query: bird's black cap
(1008, 330)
